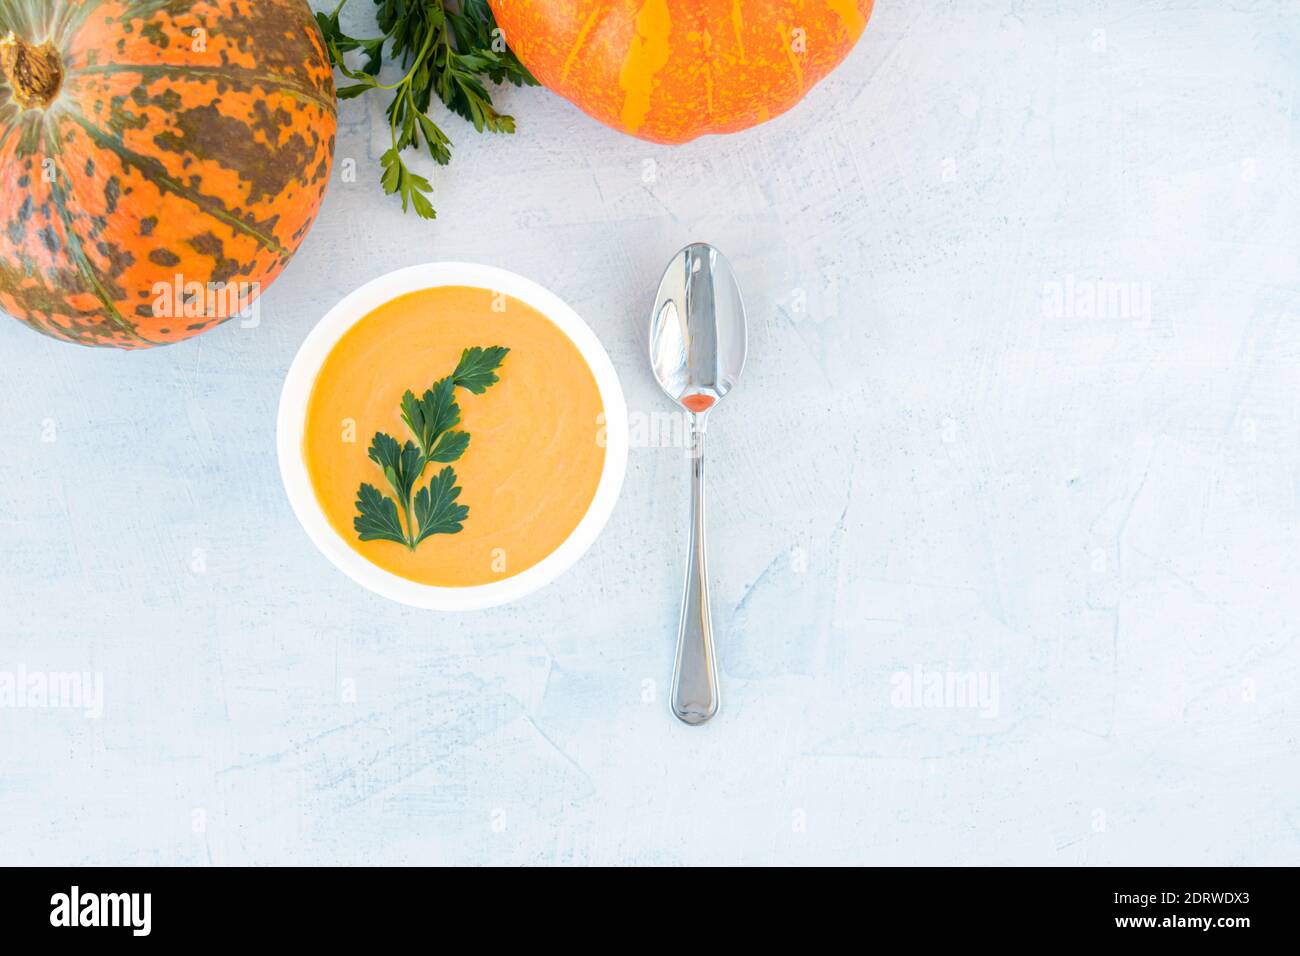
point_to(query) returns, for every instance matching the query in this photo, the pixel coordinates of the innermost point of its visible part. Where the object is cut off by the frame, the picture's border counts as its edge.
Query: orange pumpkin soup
(534, 458)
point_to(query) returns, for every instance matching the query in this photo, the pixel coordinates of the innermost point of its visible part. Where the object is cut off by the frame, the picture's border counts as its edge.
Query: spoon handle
(695, 677)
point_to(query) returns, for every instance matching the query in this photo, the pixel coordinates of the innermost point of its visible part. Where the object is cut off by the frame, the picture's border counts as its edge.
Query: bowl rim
(291, 423)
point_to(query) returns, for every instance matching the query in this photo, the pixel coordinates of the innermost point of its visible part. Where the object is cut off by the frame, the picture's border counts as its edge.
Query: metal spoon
(697, 351)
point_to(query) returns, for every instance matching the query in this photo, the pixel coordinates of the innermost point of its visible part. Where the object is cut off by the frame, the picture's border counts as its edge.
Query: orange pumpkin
(670, 70)
(161, 160)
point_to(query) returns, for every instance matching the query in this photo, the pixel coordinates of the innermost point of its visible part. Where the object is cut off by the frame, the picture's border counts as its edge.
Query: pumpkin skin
(187, 148)
(671, 70)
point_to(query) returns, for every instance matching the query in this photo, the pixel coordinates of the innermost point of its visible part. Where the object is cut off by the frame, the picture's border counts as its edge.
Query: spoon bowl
(698, 336)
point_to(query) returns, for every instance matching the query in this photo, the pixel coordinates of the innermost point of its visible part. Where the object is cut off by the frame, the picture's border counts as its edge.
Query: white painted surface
(924, 468)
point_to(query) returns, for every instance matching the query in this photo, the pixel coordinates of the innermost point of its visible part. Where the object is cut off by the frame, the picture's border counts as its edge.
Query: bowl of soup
(452, 436)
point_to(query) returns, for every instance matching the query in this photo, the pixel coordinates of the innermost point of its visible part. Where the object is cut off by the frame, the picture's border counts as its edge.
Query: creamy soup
(536, 447)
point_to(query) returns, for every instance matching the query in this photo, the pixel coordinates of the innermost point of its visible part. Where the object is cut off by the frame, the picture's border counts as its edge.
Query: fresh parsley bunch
(447, 48)
(432, 419)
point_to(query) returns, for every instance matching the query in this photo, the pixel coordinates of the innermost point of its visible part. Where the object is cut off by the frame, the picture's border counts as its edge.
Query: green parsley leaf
(436, 508)
(352, 91)
(477, 368)
(431, 415)
(402, 464)
(414, 189)
(437, 141)
(451, 445)
(378, 519)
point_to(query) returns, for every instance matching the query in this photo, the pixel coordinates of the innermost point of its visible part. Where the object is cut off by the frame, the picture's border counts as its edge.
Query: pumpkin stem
(35, 73)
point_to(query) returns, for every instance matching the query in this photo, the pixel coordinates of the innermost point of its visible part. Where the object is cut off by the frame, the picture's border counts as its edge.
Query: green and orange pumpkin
(153, 147)
(671, 70)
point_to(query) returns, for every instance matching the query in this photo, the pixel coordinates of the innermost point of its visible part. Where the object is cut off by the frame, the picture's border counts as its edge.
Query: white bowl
(291, 424)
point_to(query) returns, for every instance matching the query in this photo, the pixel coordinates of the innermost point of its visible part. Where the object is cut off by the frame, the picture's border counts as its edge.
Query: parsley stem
(405, 90)
(412, 533)
(410, 526)
(392, 125)
(410, 74)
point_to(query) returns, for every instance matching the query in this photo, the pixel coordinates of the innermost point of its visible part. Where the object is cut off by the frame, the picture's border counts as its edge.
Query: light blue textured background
(924, 468)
